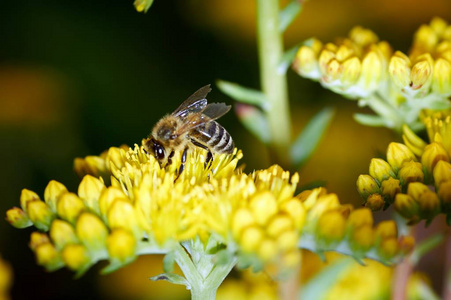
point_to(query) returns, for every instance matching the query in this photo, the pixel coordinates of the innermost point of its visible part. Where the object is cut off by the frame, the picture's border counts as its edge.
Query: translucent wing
(195, 103)
(216, 110)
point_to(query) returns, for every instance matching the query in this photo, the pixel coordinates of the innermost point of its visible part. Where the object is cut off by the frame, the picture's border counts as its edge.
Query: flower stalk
(273, 82)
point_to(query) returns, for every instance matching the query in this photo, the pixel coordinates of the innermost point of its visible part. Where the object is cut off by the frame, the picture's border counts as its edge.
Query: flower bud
(410, 172)
(279, 225)
(421, 73)
(114, 158)
(380, 169)
(306, 61)
(27, 196)
(287, 240)
(75, 256)
(142, 5)
(48, 257)
(241, 219)
(325, 57)
(363, 36)
(375, 202)
(121, 246)
(390, 188)
(122, 215)
(69, 207)
(399, 69)
(371, 72)
(351, 71)
(92, 165)
(388, 248)
(362, 238)
(367, 185)
(406, 206)
(433, 153)
(40, 214)
(386, 229)
(251, 239)
(18, 218)
(89, 191)
(62, 233)
(406, 244)
(331, 226)
(52, 192)
(442, 172)
(6, 275)
(397, 154)
(91, 231)
(263, 207)
(107, 197)
(416, 189)
(360, 217)
(268, 250)
(297, 212)
(441, 82)
(38, 238)
(444, 192)
(429, 205)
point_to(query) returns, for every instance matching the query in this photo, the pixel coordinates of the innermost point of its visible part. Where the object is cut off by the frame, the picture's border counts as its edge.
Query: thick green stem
(274, 83)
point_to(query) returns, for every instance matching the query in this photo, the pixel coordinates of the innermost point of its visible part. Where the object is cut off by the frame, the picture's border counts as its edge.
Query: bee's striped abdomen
(214, 137)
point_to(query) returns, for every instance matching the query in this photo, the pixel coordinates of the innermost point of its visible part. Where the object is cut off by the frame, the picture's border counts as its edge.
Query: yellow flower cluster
(331, 226)
(5, 279)
(395, 85)
(416, 176)
(148, 208)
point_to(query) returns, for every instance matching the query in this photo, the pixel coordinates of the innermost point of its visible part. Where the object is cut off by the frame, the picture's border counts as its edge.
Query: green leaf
(82, 271)
(370, 120)
(172, 278)
(113, 266)
(438, 104)
(168, 262)
(316, 288)
(254, 121)
(310, 137)
(425, 246)
(243, 94)
(289, 14)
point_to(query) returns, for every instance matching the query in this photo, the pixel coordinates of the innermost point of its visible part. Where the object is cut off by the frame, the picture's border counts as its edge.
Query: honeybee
(191, 124)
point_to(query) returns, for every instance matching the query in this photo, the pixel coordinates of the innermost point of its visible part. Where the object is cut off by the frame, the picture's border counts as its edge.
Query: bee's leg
(170, 158)
(209, 159)
(209, 154)
(182, 165)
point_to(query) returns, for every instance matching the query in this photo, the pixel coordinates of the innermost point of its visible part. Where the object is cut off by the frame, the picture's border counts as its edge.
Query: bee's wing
(197, 102)
(216, 110)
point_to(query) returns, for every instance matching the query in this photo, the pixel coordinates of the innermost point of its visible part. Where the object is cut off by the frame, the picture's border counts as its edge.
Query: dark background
(77, 77)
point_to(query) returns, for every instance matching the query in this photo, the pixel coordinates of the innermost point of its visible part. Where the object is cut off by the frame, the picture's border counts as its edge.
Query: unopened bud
(380, 169)
(69, 207)
(27, 196)
(62, 233)
(433, 153)
(397, 154)
(40, 214)
(390, 188)
(410, 172)
(91, 231)
(375, 202)
(52, 192)
(18, 218)
(75, 256)
(367, 185)
(121, 245)
(89, 191)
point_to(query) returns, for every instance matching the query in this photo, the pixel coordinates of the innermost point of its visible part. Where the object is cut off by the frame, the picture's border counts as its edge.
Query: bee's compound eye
(159, 151)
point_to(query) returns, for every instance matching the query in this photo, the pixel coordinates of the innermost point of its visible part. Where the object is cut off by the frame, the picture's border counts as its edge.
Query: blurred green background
(77, 77)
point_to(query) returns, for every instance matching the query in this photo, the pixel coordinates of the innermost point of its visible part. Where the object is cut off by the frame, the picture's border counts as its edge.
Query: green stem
(274, 84)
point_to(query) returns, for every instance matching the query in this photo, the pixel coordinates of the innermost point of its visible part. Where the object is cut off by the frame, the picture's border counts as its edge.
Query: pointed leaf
(82, 271)
(370, 120)
(316, 288)
(310, 137)
(438, 104)
(113, 266)
(243, 94)
(172, 278)
(168, 262)
(254, 121)
(288, 14)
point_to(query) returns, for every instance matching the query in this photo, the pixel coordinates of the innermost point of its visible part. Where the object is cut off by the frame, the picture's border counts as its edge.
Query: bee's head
(155, 148)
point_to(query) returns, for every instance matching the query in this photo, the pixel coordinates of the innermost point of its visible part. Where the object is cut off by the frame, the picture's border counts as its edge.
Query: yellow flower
(121, 245)
(89, 191)
(380, 169)
(6, 279)
(366, 185)
(75, 256)
(397, 154)
(53, 192)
